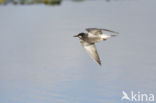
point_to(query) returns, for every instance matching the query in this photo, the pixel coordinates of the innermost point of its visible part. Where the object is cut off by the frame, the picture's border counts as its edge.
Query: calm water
(40, 61)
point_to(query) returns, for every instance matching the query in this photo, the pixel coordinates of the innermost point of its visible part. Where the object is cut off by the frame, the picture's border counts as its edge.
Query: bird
(93, 36)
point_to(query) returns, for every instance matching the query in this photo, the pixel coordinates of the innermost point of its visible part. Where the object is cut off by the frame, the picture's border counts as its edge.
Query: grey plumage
(99, 31)
(91, 50)
(89, 39)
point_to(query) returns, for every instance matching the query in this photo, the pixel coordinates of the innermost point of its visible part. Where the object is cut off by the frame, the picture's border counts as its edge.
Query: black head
(80, 35)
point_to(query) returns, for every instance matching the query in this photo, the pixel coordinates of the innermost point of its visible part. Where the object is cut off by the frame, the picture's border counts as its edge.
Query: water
(42, 63)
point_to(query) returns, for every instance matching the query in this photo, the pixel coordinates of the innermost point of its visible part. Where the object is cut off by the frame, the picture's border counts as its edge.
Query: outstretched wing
(96, 31)
(110, 31)
(91, 50)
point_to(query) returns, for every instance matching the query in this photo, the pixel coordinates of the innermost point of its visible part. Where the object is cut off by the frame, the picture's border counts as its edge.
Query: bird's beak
(75, 36)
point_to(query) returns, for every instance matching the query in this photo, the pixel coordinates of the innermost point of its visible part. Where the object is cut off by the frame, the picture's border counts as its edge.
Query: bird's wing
(94, 32)
(91, 50)
(110, 31)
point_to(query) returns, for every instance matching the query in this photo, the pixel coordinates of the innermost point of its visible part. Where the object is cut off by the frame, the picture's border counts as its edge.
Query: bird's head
(80, 35)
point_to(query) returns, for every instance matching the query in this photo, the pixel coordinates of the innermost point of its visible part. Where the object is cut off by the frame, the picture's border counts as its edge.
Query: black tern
(89, 39)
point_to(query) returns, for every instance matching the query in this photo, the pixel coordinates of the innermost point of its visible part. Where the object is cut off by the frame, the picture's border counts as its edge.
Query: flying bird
(89, 39)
